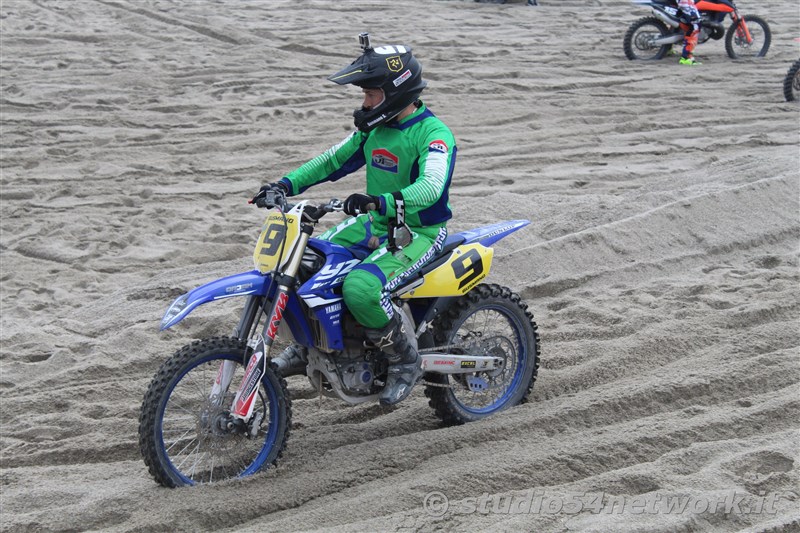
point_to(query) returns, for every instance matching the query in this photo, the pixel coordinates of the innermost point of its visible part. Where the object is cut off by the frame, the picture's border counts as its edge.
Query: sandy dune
(661, 262)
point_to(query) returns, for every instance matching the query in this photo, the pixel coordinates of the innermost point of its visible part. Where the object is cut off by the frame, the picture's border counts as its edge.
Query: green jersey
(413, 158)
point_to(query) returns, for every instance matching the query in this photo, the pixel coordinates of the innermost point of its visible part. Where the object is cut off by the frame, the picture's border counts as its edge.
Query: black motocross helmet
(391, 68)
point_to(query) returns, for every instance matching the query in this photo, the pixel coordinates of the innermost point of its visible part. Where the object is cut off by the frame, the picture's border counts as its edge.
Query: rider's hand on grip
(358, 203)
(266, 194)
(313, 214)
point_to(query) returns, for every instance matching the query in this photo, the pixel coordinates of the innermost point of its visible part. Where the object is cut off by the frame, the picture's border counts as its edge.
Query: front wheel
(186, 433)
(639, 39)
(791, 83)
(490, 320)
(737, 43)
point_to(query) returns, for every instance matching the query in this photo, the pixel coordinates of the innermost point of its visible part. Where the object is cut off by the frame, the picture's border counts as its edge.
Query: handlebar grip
(268, 199)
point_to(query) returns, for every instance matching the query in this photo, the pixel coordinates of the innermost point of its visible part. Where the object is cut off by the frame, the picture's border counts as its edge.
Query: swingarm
(442, 363)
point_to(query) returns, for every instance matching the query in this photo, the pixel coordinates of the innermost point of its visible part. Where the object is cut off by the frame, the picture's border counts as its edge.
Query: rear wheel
(638, 41)
(188, 436)
(737, 44)
(791, 83)
(490, 320)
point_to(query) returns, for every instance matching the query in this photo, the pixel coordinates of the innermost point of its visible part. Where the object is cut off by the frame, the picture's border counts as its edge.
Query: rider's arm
(335, 162)
(436, 160)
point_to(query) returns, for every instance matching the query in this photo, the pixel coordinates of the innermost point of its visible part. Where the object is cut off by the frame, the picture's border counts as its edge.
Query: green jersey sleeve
(435, 167)
(337, 161)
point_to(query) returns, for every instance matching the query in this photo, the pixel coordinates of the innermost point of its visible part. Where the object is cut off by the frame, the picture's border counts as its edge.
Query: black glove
(277, 187)
(358, 203)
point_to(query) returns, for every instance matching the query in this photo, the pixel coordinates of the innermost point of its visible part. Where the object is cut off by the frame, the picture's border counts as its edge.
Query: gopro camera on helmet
(363, 40)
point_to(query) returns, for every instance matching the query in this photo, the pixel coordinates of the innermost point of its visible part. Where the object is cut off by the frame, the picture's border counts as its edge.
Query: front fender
(243, 284)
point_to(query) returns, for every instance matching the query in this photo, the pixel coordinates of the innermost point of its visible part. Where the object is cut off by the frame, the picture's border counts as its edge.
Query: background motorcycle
(478, 344)
(652, 37)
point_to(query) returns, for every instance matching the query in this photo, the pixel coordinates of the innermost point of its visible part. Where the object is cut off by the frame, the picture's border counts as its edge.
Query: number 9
(273, 238)
(470, 265)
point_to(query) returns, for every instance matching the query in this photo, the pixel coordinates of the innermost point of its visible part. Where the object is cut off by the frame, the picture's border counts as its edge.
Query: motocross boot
(292, 361)
(689, 61)
(405, 365)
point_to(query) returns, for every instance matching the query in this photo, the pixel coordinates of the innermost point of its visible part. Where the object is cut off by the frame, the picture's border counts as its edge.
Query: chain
(440, 385)
(443, 348)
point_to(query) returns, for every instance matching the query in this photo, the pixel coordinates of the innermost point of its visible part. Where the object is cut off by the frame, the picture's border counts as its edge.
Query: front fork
(244, 401)
(741, 27)
(222, 382)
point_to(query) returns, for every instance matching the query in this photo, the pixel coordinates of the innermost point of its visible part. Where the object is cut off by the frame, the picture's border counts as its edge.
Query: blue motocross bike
(219, 408)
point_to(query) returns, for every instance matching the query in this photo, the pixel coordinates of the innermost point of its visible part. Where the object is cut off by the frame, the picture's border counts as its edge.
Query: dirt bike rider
(689, 18)
(409, 156)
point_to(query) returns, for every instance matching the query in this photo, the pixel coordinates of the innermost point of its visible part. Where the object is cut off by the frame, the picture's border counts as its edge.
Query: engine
(355, 364)
(357, 376)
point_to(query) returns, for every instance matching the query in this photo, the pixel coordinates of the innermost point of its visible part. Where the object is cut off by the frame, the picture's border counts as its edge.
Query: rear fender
(668, 15)
(464, 267)
(488, 235)
(244, 284)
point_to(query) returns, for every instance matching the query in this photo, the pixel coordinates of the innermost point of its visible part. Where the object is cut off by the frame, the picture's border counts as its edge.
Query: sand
(661, 262)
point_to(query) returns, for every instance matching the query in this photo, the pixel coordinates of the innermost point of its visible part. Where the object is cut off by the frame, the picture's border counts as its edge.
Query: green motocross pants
(367, 287)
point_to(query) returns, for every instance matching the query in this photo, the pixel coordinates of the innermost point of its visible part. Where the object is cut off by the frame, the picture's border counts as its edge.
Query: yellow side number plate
(467, 266)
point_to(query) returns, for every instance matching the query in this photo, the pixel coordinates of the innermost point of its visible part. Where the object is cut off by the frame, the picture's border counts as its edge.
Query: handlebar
(315, 213)
(311, 213)
(271, 199)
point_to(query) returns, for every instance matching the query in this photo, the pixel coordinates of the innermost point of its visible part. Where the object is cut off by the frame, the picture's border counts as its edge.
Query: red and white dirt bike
(652, 37)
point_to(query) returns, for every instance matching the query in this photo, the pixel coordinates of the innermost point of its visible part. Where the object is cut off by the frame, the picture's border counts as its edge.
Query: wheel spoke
(179, 439)
(179, 407)
(188, 455)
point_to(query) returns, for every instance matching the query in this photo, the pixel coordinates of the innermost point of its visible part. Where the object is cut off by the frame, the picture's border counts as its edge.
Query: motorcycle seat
(451, 243)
